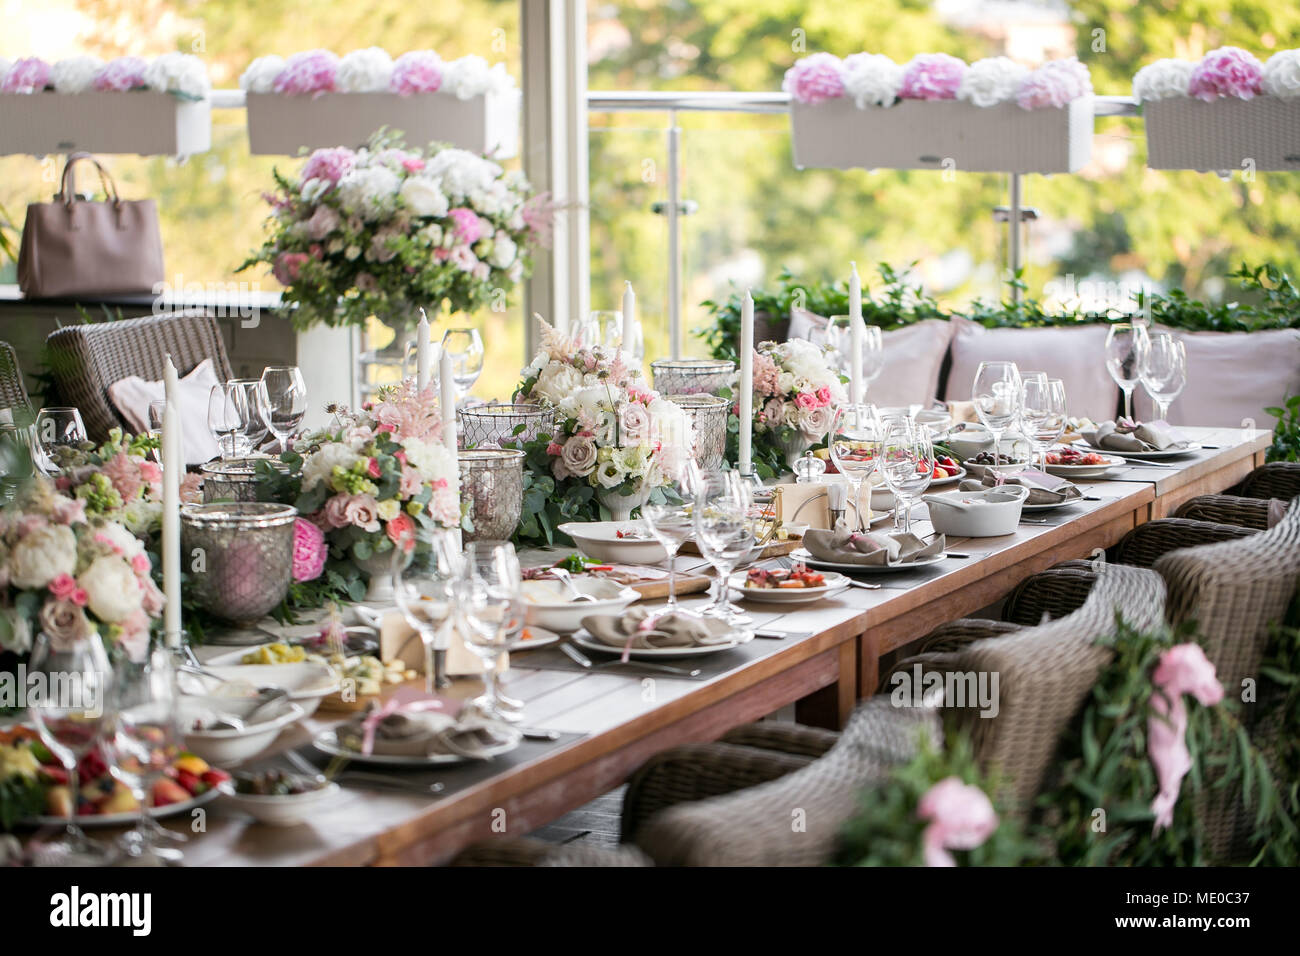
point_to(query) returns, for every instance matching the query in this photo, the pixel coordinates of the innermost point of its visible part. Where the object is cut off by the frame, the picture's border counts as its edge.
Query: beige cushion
(132, 396)
(1077, 356)
(1231, 377)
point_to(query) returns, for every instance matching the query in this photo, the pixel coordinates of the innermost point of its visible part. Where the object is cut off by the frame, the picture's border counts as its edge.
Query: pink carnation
(330, 164)
(815, 78)
(469, 227)
(314, 71)
(120, 75)
(1057, 84)
(419, 71)
(1227, 71)
(308, 550)
(28, 75)
(932, 76)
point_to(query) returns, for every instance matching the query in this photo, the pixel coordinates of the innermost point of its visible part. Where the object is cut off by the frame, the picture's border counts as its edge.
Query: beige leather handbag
(73, 247)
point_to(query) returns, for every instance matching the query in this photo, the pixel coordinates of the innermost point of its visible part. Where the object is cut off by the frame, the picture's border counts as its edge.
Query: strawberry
(213, 777)
(188, 780)
(92, 766)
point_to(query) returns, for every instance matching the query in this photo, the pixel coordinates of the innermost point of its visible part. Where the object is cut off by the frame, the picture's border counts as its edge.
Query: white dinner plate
(587, 642)
(131, 817)
(541, 637)
(327, 742)
(808, 559)
(1086, 471)
(835, 583)
(941, 482)
(1050, 507)
(1144, 455)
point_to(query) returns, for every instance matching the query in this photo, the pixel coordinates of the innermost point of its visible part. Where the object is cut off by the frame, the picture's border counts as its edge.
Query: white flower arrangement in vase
(795, 394)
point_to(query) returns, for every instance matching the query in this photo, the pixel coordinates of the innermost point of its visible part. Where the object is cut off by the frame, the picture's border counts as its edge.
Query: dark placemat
(709, 665)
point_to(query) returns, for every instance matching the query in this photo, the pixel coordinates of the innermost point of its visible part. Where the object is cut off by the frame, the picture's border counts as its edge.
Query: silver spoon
(564, 578)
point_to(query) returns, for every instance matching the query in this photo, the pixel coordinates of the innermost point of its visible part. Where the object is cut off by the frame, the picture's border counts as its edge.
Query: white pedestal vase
(793, 446)
(620, 506)
(379, 567)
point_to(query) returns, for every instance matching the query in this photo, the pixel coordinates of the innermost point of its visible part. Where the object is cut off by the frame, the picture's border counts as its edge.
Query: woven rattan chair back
(1277, 479)
(1227, 509)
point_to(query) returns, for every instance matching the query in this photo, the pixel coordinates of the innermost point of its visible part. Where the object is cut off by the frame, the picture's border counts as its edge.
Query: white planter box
(943, 134)
(140, 122)
(282, 125)
(1261, 134)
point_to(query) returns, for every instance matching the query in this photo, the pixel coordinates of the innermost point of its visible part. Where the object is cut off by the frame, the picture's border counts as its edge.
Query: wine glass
(907, 465)
(1125, 344)
(489, 593)
(873, 357)
(147, 739)
(465, 347)
(424, 578)
(724, 531)
(282, 401)
(58, 426)
(1163, 370)
(854, 446)
(255, 428)
(668, 511)
(1042, 411)
(839, 339)
(157, 410)
(228, 415)
(996, 395)
(70, 706)
(17, 462)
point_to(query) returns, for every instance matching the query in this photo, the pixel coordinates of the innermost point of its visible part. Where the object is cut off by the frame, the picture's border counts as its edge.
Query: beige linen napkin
(876, 549)
(1124, 436)
(423, 734)
(639, 628)
(1043, 489)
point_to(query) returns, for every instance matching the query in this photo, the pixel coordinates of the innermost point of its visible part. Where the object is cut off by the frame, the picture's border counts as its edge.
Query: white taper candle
(423, 368)
(173, 461)
(856, 334)
(746, 402)
(447, 393)
(629, 321)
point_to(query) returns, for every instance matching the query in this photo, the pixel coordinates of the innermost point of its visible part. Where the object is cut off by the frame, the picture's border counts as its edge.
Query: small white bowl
(282, 811)
(308, 682)
(977, 514)
(228, 747)
(600, 540)
(547, 604)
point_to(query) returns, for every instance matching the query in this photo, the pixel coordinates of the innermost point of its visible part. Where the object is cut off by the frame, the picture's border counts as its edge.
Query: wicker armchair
(1227, 509)
(1277, 479)
(1147, 543)
(86, 359)
(13, 393)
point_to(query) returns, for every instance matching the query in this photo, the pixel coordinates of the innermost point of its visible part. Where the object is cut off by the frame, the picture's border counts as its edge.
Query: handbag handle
(67, 185)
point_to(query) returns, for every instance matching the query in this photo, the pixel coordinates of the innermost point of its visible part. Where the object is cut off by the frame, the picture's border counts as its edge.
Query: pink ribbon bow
(648, 623)
(961, 818)
(397, 704)
(1183, 669)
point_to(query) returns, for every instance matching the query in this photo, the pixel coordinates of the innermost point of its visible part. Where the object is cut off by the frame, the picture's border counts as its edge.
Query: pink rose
(633, 423)
(824, 395)
(372, 468)
(63, 586)
(961, 817)
(64, 623)
(413, 164)
(805, 401)
(401, 531)
(363, 512)
(336, 511)
(579, 456)
(815, 78)
(932, 76)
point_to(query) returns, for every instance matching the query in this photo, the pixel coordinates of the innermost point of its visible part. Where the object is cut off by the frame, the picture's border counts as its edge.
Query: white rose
(41, 556)
(261, 73)
(75, 74)
(112, 591)
(369, 192)
(1162, 80)
(424, 198)
(179, 73)
(504, 251)
(991, 81)
(321, 464)
(871, 79)
(815, 422)
(365, 71)
(784, 383)
(1282, 74)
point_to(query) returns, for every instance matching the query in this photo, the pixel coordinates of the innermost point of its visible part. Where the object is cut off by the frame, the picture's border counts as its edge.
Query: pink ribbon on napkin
(648, 623)
(1183, 669)
(961, 818)
(399, 703)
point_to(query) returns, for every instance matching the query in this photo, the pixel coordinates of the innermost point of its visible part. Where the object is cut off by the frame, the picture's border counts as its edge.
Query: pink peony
(932, 76)
(419, 71)
(469, 227)
(1054, 84)
(314, 71)
(28, 75)
(330, 164)
(288, 265)
(960, 816)
(120, 75)
(309, 551)
(1227, 71)
(815, 78)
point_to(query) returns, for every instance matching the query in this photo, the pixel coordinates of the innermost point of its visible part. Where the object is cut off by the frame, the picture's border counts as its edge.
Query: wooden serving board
(686, 584)
(777, 549)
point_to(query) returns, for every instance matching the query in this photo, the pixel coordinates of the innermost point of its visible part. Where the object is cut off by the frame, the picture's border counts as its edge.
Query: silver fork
(586, 662)
(383, 780)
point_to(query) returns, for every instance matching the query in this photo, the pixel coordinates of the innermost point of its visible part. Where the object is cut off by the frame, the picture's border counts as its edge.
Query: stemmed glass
(424, 580)
(490, 595)
(996, 396)
(255, 428)
(71, 709)
(146, 741)
(228, 415)
(854, 446)
(1163, 370)
(1042, 411)
(839, 339)
(906, 464)
(1126, 342)
(156, 412)
(282, 401)
(57, 426)
(724, 531)
(465, 347)
(668, 514)
(17, 461)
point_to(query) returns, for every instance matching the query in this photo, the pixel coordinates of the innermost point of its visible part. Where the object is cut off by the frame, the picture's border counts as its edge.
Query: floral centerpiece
(617, 443)
(67, 573)
(795, 394)
(384, 230)
(182, 75)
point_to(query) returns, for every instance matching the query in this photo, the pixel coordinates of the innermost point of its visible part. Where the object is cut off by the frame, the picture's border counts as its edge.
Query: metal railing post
(674, 236)
(1013, 234)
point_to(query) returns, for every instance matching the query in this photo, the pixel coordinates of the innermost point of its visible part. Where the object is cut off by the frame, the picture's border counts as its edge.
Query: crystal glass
(1163, 370)
(72, 711)
(255, 428)
(489, 594)
(17, 461)
(59, 425)
(424, 580)
(1042, 411)
(839, 339)
(668, 510)
(146, 739)
(1125, 344)
(228, 418)
(282, 401)
(996, 395)
(724, 531)
(465, 346)
(854, 447)
(907, 465)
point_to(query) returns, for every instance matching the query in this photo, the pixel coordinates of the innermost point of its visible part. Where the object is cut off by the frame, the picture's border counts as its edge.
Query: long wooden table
(612, 720)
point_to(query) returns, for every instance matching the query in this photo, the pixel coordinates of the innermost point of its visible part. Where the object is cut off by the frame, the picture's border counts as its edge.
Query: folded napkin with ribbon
(842, 546)
(1043, 489)
(1129, 436)
(638, 628)
(421, 727)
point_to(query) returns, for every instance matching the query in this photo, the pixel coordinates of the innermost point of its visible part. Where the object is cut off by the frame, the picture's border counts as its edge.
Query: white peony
(119, 539)
(42, 555)
(368, 192)
(471, 76)
(431, 459)
(112, 591)
(871, 79)
(365, 71)
(462, 172)
(558, 382)
(320, 465)
(423, 197)
(1162, 80)
(75, 74)
(141, 515)
(993, 80)
(179, 73)
(261, 73)
(504, 251)
(1282, 74)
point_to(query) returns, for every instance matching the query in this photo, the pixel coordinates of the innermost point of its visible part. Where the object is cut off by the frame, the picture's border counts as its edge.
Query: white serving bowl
(282, 811)
(225, 748)
(600, 540)
(308, 682)
(547, 604)
(977, 514)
